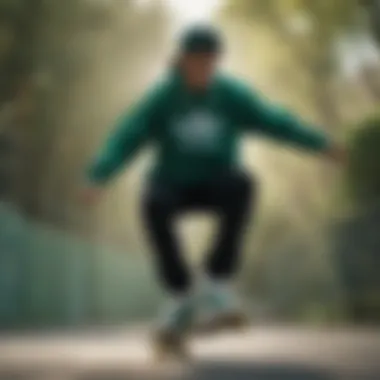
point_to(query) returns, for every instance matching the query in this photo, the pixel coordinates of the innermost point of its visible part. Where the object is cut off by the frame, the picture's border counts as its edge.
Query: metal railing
(51, 278)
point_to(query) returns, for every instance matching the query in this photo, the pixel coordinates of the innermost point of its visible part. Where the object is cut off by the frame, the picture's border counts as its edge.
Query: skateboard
(171, 346)
(176, 346)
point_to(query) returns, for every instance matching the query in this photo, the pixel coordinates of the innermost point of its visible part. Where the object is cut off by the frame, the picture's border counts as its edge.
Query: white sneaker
(173, 328)
(220, 308)
(178, 315)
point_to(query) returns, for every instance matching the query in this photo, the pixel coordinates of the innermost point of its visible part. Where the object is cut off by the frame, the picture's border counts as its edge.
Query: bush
(364, 165)
(358, 239)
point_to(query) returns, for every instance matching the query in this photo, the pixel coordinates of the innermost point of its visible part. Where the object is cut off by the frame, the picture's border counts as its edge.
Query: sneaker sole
(224, 322)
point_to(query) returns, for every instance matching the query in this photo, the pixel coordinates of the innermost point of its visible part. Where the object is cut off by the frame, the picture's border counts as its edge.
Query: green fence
(49, 278)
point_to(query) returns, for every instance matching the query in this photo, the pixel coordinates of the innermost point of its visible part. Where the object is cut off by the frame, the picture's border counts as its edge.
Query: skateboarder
(195, 118)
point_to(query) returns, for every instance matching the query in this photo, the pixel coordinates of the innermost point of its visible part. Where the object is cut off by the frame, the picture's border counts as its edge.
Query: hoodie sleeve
(259, 115)
(132, 131)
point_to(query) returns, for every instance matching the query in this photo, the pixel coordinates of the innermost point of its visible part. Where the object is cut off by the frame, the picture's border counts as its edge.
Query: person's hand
(337, 153)
(90, 195)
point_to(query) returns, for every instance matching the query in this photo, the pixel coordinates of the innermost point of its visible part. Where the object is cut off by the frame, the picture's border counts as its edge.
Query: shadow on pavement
(257, 371)
(226, 371)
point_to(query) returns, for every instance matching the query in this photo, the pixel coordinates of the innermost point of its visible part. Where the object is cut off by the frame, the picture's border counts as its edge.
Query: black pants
(228, 196)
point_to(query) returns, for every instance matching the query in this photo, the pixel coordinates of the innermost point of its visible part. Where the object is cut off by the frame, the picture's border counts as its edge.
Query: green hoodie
(197, 135)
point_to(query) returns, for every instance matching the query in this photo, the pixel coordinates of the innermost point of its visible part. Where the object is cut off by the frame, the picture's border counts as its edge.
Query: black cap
(201, 39)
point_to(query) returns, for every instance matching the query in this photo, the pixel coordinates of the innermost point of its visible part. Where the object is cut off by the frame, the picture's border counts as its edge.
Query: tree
(95, 64)
(309, 29)
(372, 8)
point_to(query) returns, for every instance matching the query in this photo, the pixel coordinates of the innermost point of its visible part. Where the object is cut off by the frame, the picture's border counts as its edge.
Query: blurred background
(69, 68)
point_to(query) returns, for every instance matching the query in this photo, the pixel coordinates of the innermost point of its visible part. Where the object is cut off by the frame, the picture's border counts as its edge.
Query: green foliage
(309, 30)
(327, 16)
(357, 258)
(372, 8)
(364, 167)
(358, 243)
(11, 7)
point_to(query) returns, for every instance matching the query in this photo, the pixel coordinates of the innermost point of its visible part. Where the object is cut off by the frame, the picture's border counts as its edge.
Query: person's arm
(132, 132)
(258, 115)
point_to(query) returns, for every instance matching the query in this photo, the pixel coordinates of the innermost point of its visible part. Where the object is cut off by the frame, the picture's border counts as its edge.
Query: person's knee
(244, 184)
(241, 186)
(157, 205)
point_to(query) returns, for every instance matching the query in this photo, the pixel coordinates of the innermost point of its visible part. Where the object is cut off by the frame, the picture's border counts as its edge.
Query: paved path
(260, 354)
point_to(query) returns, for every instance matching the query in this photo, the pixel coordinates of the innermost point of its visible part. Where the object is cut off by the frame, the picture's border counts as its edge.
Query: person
(195, 118)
